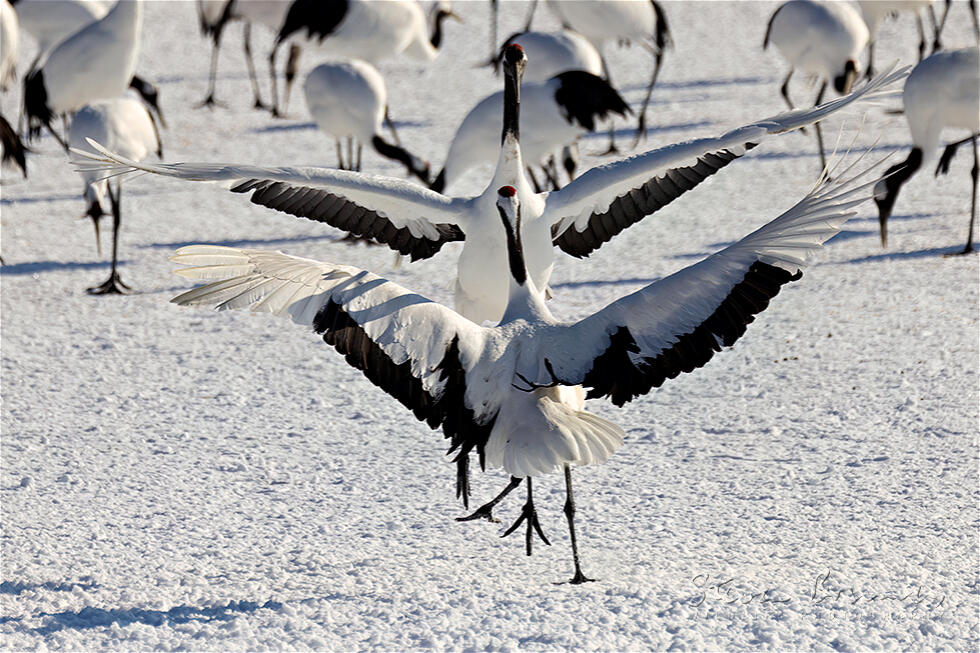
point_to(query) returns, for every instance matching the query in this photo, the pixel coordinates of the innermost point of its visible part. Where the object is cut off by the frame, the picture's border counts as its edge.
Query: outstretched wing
(604, 201)
(407, 217)
(414, 349)
(678, 323)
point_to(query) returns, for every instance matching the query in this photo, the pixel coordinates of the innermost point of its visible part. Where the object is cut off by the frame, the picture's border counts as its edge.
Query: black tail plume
(36, 104)
(14, 150)
(583, 97)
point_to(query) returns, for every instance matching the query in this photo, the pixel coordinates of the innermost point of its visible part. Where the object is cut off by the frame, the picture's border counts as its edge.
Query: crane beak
(843, 83)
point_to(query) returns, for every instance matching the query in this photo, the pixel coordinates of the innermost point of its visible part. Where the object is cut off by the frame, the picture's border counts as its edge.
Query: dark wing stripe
(458, 422)
(633, 206)
(336, 211)
(318, 17)
(614, 373)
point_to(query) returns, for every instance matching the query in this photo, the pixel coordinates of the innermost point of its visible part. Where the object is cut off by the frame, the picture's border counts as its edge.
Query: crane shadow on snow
(35, 267)
(633, 281)
(311, 126)
(247, 242)
(74, 197)
(90, 617)
(702, 83)
(630, 132)
(933, 252)
(16, 588)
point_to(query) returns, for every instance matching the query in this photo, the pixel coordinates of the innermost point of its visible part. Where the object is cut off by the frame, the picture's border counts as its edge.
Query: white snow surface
(180, 479)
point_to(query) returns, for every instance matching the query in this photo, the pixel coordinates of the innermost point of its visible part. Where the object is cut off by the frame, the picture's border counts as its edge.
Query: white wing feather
(404, 203)
(596, 189)
(406, 326)
(658, 315)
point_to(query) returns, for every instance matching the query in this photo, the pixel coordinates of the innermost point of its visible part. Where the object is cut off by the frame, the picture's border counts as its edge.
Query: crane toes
(580, 578)
(963, 252)
(111, 286)
(210, 103)
(529, 514)
(483, 512)
(641, 131)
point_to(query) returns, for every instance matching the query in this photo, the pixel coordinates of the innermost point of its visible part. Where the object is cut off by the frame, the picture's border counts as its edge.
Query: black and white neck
(524, 301)
(514, 62)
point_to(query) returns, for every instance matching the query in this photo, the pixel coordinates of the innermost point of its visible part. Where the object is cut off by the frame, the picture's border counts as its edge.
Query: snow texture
(174, 478)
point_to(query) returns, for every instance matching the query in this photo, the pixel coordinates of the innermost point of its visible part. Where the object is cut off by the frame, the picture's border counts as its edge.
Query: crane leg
(975, 173)
(550, 170)
(529, 514)
(870, 72)
(641, 125)
(612, 149)
(922, 36)
(530, 16)
(493, 30)
(816, 127)
(938, 27)
(391, 126)
(272, 75)
(579, 577)
(534, 180)
(340, 155)
(209, 100)
(113, 285)
(292, 66)
(252, 77)
(784, 90)
(486, 510)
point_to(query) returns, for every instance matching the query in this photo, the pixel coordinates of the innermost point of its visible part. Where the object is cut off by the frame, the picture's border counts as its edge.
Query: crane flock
(504, 379)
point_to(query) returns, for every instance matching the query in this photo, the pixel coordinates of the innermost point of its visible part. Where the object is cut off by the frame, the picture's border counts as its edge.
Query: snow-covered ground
(182, 479)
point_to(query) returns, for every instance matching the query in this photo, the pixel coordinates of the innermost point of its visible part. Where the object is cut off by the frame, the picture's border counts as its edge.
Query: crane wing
(607, 199)
(407, 217)
(678, 323)
(416, 350)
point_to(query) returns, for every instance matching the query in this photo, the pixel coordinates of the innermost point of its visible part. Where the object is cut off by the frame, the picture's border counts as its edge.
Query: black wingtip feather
(322, 206)
(617, 372)
(633, 206)
(449, 410)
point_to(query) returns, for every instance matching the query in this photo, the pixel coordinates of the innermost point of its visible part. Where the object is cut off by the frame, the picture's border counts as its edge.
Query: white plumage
(578, 219)
(551, 53)
(622, 21)
(127, 124)
(97, 62)
(9, 44)
(503, 392)
(820, 38)
(348, 100)
(875, 11)
(51, 21)
(216, 14)
(370, 30)
(943, 91)
(547, 124)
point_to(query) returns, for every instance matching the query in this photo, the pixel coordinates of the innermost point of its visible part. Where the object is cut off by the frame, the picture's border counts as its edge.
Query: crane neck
(512, 106)
(524, 300)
